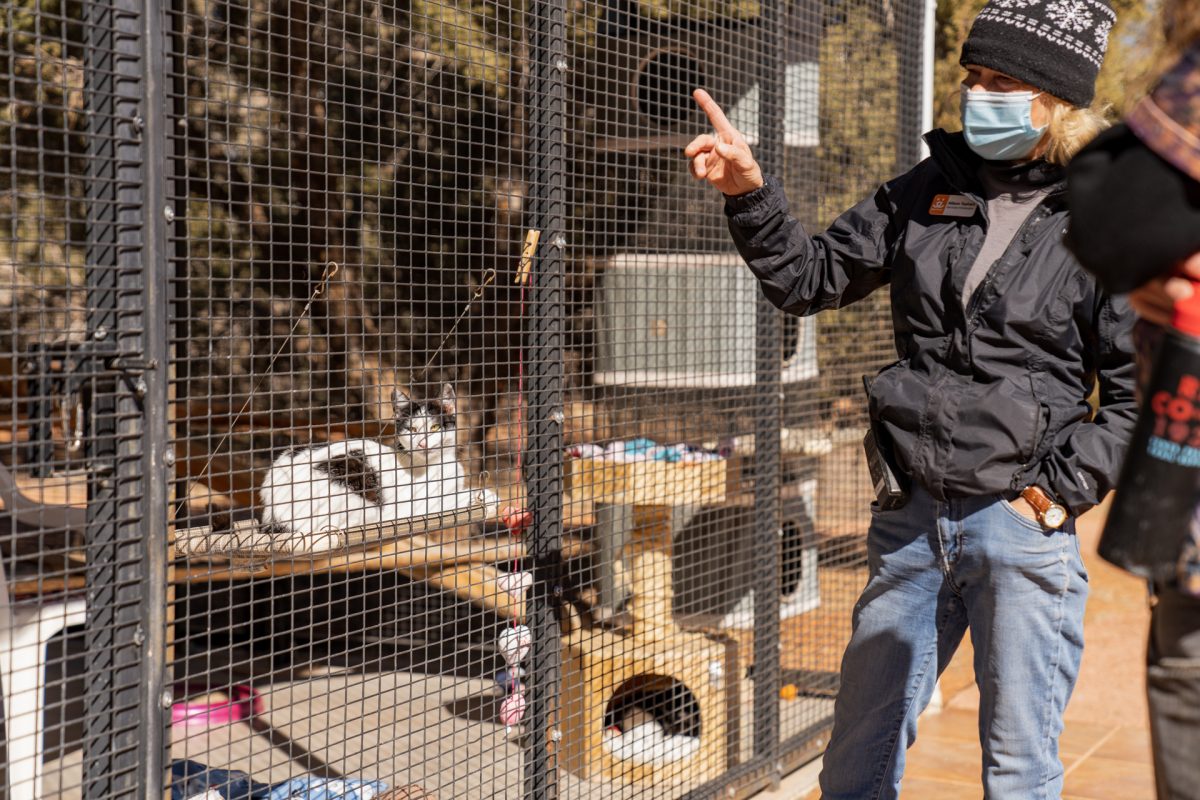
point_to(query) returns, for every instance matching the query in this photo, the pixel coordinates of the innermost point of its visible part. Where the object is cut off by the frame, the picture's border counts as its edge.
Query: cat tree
(689, 681)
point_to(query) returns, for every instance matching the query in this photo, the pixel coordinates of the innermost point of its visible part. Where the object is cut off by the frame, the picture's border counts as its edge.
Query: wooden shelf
(646, 483)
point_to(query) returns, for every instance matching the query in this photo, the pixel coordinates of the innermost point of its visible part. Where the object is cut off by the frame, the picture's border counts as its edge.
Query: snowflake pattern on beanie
(1070, 14)
(1061, 22)
(1102, 32)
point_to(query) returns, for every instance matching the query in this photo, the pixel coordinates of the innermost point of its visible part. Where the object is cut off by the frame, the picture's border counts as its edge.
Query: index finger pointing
(714, 113)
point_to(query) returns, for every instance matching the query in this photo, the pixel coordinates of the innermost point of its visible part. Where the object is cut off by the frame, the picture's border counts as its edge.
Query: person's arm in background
(1155, 300)
(1134, 194)
(799, 274)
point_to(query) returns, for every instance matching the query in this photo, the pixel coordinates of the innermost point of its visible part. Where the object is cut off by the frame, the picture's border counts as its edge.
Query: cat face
(425, 427)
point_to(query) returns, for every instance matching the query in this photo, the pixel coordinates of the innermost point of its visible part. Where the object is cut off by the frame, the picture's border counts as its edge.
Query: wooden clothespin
(527, 255)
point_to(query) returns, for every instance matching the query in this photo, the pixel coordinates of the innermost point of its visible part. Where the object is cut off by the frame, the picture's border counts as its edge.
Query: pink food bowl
(242, 704)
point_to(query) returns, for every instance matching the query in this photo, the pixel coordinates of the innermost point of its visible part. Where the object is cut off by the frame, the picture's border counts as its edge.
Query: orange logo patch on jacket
(952, 205)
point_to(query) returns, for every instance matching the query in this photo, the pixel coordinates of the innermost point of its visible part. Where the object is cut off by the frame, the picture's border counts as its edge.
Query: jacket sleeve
(803, 274)
(1086, 460)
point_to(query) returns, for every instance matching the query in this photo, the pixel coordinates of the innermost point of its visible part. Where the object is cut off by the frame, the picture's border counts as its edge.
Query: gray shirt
(1009, 204)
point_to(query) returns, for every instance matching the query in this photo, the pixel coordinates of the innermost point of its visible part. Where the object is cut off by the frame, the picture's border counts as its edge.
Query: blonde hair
(1071, 129)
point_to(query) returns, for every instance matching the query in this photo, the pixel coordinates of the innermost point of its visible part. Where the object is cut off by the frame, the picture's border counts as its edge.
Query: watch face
(1054, 517)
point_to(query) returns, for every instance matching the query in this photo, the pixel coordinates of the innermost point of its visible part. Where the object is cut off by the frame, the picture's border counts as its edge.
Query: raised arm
(799, 274)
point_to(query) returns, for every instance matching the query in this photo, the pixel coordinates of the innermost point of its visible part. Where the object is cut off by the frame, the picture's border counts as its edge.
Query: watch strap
(1037, 497)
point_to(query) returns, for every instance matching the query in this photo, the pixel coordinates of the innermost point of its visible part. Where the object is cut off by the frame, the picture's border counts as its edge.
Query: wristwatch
(1050, 513)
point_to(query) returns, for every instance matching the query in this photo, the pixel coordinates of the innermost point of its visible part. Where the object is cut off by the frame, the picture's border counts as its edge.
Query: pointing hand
(722, 158)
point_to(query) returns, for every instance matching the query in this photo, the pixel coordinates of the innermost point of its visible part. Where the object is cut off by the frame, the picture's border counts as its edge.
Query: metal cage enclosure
(385, 409)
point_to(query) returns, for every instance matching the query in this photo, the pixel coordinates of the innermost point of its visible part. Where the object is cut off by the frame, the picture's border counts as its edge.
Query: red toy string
(523, 280)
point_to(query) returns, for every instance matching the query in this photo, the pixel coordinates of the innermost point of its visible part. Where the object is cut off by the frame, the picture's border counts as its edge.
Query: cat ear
(449, 399)
(401, 400)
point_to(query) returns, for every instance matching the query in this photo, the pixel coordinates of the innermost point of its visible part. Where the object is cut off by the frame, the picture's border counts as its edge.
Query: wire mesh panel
(81, 590)
(488, 472)
(730, 453)
(351, 186)
(868, 129)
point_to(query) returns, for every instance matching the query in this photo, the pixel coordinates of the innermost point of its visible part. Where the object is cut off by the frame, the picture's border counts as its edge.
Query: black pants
(1173, 684)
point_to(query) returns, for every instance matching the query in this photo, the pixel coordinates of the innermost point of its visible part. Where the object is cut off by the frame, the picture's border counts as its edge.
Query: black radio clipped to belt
(891, 492)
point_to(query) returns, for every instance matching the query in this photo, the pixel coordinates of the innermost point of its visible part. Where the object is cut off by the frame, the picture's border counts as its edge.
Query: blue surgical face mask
(999, 125)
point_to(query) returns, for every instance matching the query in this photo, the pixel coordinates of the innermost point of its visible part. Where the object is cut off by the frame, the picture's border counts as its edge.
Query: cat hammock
(248, 541)
(463, 567)
(422, 548)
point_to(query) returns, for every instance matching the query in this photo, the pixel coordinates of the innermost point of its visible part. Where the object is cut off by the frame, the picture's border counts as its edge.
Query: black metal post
(175, 270)
(158, 456)
(543, 345)
(117, 570)
(767, 397)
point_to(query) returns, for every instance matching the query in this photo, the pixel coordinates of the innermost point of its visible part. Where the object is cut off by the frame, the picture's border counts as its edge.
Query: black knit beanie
(1054, 45)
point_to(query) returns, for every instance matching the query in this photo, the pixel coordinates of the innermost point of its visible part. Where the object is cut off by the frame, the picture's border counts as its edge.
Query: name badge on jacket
(952, 205)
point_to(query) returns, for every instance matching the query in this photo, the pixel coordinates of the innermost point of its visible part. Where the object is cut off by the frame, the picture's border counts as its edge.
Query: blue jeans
(937, 568)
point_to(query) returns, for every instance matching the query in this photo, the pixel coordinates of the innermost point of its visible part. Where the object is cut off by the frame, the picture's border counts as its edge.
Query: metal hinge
(65, 373)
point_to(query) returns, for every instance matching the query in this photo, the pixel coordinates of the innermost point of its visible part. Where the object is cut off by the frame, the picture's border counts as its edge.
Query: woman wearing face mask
(1001, 338)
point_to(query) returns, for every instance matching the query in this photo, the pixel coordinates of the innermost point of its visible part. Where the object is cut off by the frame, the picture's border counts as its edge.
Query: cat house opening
(652, 719)
(664, 87)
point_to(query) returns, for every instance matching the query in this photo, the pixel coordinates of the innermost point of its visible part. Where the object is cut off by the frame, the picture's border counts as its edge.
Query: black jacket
(987, 399)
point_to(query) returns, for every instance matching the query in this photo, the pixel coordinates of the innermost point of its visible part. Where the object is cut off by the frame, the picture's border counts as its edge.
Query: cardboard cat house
(658, 705)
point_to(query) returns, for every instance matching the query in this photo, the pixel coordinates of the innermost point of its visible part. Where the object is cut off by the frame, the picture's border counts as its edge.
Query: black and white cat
(314, 493)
